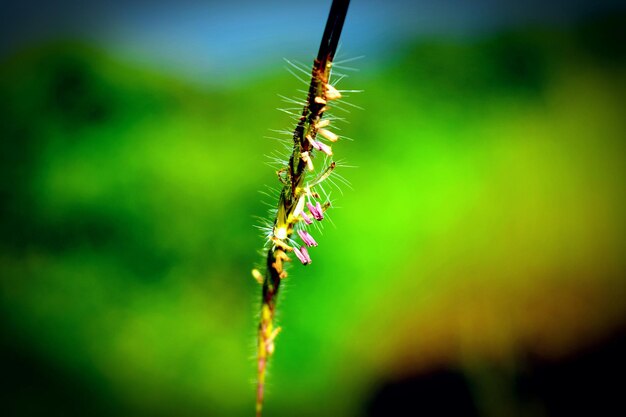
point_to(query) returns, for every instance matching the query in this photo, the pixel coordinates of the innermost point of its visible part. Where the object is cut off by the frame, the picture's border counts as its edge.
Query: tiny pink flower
(324, 148)
(316, 145)
(318, 206)
(307, 238)
(316, 212)
(303, 255)
(306, 218)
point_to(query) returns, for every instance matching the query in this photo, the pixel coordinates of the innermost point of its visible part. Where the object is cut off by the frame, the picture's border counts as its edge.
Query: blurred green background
(476, 268)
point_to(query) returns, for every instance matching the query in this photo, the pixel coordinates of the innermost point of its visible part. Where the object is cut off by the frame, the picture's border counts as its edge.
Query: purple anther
(324, 148)
(303, 255)
(306, 218)
(318, 207)
(316, 212)
(316, 145)
(307, 238)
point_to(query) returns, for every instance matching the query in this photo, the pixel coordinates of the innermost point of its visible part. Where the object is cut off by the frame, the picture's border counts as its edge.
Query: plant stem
(304, 133)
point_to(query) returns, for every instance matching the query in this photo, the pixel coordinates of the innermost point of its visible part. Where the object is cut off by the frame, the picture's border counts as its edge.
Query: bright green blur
(485, 219)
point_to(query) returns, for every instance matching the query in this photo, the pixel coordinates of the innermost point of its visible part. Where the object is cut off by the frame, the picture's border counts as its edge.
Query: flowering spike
(296, 189)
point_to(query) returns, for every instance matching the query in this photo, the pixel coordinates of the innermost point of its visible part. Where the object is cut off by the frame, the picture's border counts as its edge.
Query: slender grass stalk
(297, 192)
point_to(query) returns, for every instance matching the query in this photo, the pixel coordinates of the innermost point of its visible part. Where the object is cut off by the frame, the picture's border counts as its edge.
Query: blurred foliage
(486, 222)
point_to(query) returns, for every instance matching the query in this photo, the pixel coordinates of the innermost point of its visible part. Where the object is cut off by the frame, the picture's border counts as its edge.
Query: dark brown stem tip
(332, 32)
